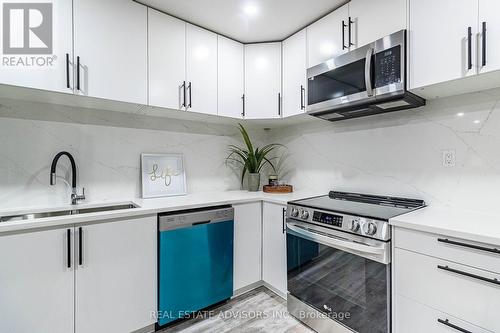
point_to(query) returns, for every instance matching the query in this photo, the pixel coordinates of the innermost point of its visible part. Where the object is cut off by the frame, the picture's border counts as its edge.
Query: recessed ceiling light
(251, 9)
(460, 114)
(477, 121)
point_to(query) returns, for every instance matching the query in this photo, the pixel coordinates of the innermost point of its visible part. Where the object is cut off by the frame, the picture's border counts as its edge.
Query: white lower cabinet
(247, 244)
(36, 284)
(438, 277)
(117, 280)
(44, 287)
(274, 247)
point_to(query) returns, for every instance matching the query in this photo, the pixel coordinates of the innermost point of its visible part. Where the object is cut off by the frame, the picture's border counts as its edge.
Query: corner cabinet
(263, 81)
(201, 70)
(167, 60)
(48, 285)
(58, 76)
(294, 74)
(110, 43)
(247, 246)
(274, 266)
(231, 78)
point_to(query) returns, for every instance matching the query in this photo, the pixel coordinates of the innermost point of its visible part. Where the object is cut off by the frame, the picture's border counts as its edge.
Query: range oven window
(348, 288)
(339, 82)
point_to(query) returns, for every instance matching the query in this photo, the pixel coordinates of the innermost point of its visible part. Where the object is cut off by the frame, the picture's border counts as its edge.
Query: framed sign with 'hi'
(163, 175)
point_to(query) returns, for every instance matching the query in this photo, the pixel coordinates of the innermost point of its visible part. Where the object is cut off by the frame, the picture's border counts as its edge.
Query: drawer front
(465, 252)
(413, 317)
(449, 287)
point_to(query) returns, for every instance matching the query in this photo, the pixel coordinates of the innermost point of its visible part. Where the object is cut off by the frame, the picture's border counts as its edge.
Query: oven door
(345, 278)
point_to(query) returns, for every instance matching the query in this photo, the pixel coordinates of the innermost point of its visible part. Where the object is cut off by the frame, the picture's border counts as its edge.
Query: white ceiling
(273, 19)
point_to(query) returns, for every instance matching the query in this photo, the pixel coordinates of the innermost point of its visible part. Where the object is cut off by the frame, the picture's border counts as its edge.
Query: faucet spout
(74, 196)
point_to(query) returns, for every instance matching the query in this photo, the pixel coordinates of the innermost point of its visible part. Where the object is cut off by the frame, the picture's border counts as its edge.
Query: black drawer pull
(470, 246)
(474, 276)
(80, 246)
(68, 249)
(447, 323)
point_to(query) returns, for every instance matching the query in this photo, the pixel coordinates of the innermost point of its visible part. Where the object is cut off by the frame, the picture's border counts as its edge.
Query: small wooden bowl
(278, 189)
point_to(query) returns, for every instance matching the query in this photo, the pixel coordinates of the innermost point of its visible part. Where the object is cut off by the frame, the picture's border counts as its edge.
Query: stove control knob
(369, 228)
(304, 215)
(294, 212)
(354, 226)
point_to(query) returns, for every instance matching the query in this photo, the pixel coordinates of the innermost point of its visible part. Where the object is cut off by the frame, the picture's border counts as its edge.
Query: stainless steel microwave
(368, 80)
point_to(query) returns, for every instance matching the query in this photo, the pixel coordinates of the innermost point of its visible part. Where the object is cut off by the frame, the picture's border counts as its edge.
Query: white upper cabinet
(110, 42)
(117, 277)
(52, 70)
(167, 60)
(325, 36)
(263, 80)
(201, 70)
(489, 56)
(374, 19)
(231, 69)
(439, 46)
(294, 74)
(37, 282)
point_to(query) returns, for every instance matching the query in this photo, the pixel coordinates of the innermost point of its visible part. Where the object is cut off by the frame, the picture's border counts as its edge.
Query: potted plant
(251, 160)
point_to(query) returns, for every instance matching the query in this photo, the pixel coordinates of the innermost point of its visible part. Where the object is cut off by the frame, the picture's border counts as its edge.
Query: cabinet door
(36, 285)
(53, 67)
(374, 19)
(201, 70)
(116, 284)
(111, 41)
(439, 52)
(274, 247)
(294, 74)
(263, 81)
(247, 244)
(167, 60)
(325, 37)
(488, 15)
(231, 68)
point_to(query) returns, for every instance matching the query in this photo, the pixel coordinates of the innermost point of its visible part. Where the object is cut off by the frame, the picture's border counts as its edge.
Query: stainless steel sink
(76, 211)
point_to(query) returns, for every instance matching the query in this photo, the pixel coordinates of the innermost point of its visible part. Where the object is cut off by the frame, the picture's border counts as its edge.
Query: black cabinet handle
(67, 71)
(474, 276)
(78, 73)
(279, 104)
(183, 89)
(470, 246)
(484, 44)
(469, 48)
(302, 97)
(343, 35)
(243, 102)
(447, 323)
(284, 223)
(80, 246)
(190, 100)
(350, 32)
(68, 249)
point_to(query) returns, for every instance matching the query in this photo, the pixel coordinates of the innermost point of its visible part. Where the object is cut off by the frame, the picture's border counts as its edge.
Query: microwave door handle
(333, 241)
(368, 72)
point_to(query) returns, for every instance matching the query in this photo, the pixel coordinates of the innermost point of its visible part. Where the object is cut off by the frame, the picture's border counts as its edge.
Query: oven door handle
(334, 241)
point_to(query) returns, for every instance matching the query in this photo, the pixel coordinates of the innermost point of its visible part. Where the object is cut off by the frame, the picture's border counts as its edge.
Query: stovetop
(362, 205)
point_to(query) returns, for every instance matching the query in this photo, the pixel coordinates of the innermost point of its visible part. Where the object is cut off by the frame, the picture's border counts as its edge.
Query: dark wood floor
(259, 310)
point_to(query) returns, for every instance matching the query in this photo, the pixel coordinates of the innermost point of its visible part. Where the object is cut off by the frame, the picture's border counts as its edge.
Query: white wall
(401, 153)
(108, 160)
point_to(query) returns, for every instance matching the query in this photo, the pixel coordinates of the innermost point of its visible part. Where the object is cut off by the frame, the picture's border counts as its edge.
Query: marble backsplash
(401, 153)
(108, 160)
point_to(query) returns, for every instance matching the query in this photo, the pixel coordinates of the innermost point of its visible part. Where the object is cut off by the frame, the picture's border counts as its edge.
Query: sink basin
(76, 211)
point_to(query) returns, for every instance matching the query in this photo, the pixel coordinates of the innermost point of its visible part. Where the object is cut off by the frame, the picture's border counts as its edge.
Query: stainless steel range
(339, 260)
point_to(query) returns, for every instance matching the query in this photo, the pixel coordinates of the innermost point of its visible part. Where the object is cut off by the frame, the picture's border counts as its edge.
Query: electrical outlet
(449, 158)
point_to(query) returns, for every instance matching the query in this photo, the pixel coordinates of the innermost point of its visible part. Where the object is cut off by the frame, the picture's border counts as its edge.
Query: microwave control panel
(387, 66)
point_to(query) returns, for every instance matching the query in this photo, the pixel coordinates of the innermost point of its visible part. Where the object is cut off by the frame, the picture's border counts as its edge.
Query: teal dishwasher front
(195, 261)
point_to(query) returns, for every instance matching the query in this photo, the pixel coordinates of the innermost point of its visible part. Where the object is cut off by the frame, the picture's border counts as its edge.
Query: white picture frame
(162, 175)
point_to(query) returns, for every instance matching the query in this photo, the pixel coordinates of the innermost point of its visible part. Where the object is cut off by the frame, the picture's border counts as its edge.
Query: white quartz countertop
(146, 207)
(468, 225)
